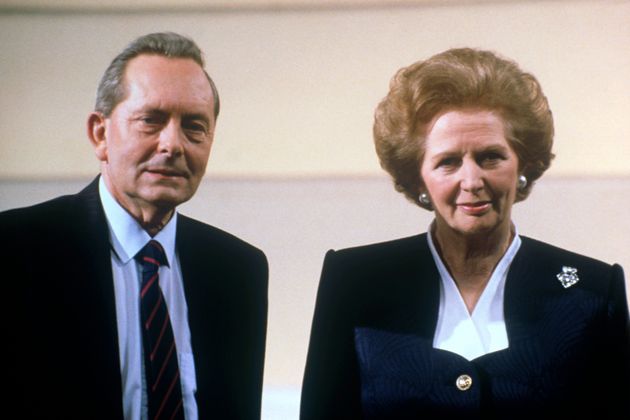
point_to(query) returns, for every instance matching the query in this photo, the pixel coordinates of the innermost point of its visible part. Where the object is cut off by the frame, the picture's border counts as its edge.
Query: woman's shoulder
(567, 266)
(545, 252)
(383, 261)
(383, 251)
(379, 275)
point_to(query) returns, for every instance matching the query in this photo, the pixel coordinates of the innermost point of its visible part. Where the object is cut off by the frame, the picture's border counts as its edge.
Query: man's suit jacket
(371, 355)
(60, 316)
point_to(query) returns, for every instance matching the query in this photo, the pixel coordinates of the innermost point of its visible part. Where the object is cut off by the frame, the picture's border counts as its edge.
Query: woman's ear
(97, 134)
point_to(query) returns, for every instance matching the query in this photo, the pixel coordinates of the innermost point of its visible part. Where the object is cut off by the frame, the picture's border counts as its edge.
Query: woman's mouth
(475, 209)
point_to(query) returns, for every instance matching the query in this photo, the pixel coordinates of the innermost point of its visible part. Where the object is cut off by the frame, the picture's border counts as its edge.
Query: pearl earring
(424, 199)
(522, 182)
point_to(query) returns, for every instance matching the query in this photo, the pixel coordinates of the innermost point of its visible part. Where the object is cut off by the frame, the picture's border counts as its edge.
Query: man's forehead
(160, 64)
(158, 80)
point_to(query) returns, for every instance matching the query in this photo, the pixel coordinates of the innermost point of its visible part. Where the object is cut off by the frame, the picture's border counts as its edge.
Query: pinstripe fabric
(371, 354)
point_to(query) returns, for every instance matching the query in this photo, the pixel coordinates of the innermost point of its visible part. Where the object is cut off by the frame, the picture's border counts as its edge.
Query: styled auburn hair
(456, 79)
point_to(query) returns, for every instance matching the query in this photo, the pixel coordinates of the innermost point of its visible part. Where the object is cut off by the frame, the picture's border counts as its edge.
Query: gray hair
(111, 89)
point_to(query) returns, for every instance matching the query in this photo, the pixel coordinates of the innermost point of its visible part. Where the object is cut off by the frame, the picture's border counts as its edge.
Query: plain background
(293, 168)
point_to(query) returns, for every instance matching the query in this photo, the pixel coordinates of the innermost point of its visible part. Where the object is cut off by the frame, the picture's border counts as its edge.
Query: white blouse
(483, 331)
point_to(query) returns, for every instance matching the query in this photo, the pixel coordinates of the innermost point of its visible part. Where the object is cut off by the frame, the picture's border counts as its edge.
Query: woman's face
(470, 172)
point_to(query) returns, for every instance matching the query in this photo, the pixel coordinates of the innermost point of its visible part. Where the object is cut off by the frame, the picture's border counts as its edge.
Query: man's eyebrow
(151, 110)
(196, 116)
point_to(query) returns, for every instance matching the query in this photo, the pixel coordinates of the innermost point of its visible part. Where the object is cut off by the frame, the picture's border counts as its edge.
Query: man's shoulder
(192, 231)
(47, 212)
(212, 250)
(57, 229)
(53, 211)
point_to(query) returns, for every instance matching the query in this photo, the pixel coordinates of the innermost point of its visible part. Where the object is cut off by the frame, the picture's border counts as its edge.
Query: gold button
(463, 382)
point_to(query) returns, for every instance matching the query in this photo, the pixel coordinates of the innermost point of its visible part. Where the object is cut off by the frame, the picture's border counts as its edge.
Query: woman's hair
(111, 90)
(456, 79)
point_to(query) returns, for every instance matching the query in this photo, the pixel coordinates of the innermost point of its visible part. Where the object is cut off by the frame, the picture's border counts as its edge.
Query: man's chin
(167, 198)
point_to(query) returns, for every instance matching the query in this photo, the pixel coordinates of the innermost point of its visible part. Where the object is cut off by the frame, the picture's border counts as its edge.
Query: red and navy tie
(160, 355)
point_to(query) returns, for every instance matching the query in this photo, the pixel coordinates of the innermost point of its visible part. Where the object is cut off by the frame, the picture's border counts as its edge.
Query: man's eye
(197, 127)
(196, 132)
(151, 120)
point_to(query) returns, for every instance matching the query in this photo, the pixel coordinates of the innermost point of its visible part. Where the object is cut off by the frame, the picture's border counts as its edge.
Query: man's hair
(112, 90)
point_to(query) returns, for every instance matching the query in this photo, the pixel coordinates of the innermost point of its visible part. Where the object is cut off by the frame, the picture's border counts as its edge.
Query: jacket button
(463, 382)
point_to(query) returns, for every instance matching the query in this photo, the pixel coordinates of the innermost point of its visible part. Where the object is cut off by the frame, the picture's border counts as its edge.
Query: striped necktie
(160, 355)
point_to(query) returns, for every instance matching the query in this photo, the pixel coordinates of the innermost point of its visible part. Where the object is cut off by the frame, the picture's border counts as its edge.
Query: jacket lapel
(422, 279)
(97, 303)
(201, 273)
(533, 295)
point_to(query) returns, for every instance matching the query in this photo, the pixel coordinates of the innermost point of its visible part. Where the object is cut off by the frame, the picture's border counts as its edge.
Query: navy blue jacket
(371, 356)
(60, 320)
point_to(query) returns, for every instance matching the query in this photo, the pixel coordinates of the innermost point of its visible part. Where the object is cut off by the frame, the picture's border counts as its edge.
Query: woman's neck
(471, 259)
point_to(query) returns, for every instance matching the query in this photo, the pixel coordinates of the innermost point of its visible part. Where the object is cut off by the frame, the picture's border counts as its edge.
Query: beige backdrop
(299, 85)
(293, 169)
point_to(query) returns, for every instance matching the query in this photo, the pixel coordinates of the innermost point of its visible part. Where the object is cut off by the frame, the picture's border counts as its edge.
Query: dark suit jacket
(371, 355)
(59, 312)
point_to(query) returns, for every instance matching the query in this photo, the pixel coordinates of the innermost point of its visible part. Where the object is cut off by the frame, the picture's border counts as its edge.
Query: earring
(522, 182)
(424, 199)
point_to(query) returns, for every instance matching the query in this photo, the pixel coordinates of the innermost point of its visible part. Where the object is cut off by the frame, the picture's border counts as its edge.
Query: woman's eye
(492, 157)
(448, 162)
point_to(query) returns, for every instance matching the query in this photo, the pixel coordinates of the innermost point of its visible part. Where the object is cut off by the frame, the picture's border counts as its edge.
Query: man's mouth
(167, 172)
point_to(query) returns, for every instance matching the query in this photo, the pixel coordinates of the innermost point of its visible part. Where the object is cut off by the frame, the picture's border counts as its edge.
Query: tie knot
(152, 253)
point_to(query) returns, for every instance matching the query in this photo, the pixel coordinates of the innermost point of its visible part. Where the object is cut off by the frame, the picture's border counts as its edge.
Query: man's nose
(172, 139)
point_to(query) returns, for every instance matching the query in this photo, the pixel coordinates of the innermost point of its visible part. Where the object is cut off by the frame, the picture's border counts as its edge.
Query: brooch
(568, 277)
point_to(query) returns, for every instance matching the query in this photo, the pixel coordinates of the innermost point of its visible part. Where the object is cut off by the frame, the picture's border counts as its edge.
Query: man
(119, 307)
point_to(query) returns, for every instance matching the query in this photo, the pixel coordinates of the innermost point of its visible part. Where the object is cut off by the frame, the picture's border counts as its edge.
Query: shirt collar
(497, 279)
(126, 235)
(483, 331)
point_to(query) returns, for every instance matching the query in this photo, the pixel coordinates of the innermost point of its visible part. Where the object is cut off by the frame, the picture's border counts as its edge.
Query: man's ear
(97, 134)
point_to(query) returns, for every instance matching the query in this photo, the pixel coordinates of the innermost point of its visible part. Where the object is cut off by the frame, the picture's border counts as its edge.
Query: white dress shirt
(127, 238)
(483, 331)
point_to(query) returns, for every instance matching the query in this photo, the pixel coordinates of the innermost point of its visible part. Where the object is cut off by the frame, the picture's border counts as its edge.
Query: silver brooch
(568, 277)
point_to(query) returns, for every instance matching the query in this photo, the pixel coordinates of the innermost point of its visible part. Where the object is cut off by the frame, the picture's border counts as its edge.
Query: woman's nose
(471, 177)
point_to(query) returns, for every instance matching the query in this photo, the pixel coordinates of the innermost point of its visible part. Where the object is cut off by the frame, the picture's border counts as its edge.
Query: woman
(469, 319)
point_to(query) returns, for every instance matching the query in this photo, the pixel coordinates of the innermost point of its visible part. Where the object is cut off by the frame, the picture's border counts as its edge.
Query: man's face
(157, 141)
